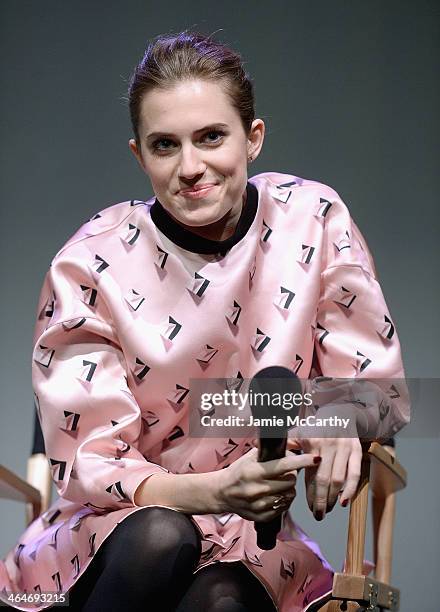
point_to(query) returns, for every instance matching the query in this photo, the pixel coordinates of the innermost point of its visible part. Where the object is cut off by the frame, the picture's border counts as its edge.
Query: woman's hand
(338, 472)
(250, 488)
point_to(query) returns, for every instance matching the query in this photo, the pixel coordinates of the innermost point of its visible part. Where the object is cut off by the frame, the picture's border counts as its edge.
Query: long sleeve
(90, 419)
(355, 337)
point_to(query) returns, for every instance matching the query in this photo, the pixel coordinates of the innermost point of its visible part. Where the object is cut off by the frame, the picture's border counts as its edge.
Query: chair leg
(358, 524)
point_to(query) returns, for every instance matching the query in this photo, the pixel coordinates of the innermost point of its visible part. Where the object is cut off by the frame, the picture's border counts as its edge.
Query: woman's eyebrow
(211, 126)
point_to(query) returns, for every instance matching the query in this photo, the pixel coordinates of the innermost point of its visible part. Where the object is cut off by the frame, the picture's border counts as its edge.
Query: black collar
(198, 244)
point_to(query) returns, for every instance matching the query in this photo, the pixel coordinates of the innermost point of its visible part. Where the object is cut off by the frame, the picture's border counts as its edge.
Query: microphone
(273, 381)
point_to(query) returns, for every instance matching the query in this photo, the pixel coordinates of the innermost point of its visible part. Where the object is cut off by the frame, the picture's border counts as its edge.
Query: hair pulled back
(172, 58)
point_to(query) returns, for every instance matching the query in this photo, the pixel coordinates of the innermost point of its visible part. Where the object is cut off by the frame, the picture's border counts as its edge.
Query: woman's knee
(225, 587)
(159, 530)
(151, 553)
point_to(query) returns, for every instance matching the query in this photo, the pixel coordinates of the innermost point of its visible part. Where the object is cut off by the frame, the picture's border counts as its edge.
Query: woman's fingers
(338, 477)
(353, 475)
(338, 472)
(293, 444)
(322, 483)
(310, 483)
(288, 475)
(278, 467)
(267, 503)
(268, 507)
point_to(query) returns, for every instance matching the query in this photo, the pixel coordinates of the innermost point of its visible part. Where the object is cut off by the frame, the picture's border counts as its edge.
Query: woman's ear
(136, 152)
(256, 138)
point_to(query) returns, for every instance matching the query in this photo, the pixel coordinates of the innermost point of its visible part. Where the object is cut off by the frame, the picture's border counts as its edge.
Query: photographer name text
(289, 421)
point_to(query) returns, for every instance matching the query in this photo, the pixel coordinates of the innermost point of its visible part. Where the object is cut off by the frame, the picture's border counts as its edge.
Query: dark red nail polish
(317, 459)
(344, 503)
(319, 515)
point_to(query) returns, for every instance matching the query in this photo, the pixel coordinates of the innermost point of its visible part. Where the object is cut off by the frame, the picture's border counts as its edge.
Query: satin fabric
(126, 318)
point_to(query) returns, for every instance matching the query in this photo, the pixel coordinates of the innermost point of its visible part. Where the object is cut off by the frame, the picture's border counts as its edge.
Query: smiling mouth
(197, 192)
(197, 188)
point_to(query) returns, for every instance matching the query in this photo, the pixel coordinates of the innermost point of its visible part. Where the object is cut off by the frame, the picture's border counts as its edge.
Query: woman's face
(191, 136)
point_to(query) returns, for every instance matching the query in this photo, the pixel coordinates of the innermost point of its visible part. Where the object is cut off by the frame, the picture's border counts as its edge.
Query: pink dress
(127, 317)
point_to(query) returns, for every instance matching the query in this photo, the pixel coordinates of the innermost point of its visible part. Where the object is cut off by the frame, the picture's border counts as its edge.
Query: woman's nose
(191, 163)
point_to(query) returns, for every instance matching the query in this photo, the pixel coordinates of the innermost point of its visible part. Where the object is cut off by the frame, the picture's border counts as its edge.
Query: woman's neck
(209, 239)
(221, 229)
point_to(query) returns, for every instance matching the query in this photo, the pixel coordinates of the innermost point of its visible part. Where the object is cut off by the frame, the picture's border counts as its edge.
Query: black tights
(147, 563)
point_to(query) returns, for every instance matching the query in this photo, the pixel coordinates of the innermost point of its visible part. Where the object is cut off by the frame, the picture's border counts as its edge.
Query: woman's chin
(200, 220)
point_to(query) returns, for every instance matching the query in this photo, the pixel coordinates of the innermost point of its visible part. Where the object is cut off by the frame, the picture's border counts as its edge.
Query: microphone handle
(270, 448)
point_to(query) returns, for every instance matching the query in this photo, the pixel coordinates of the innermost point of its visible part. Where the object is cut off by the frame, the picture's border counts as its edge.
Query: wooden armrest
(14, 487)
(35, 491)
(387, 475)
(39, 476)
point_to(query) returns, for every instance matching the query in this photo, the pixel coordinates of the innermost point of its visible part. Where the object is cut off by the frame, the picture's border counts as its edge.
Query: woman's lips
(194, 194)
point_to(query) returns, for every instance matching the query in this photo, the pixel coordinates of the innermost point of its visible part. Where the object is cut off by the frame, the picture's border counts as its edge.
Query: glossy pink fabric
(111, 384)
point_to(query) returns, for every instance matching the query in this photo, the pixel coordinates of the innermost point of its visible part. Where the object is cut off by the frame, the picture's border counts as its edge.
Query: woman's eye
(216, 134)
(157, 144)
(163, 145)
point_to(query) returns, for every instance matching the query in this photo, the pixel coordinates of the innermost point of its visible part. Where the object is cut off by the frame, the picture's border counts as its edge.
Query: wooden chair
(36, 490)
(352, 591)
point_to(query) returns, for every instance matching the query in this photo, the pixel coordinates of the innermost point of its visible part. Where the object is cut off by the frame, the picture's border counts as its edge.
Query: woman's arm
(246, 487)
(357, 351)
(189, 493)
(89, 417)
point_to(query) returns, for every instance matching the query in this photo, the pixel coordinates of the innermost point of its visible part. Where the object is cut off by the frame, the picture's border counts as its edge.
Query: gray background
(348, 91)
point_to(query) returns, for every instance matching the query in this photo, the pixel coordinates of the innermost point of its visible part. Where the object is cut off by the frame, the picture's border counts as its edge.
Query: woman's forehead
(189, 105)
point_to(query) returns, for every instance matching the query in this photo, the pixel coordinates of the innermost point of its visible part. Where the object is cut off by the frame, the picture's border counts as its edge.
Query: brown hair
(187, 55)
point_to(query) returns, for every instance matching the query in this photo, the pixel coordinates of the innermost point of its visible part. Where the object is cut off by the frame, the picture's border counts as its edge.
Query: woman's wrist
(198, 493)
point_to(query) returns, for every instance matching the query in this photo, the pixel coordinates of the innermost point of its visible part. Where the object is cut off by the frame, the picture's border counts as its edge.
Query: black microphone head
(275, 392)
(276, 372)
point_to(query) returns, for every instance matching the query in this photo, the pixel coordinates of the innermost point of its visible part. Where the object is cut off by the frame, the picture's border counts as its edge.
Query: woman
(217, 276)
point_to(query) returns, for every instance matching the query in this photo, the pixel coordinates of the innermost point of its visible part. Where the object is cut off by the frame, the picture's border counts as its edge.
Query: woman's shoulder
(303, 201)
(311, 197)
(102, 222)
(278, 182)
